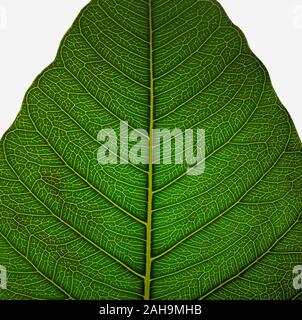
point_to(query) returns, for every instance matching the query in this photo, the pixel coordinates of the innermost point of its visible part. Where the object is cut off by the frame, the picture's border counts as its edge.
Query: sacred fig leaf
(72, 228)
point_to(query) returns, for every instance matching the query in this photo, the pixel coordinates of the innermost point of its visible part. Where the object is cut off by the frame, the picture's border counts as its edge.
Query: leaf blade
(132, 232)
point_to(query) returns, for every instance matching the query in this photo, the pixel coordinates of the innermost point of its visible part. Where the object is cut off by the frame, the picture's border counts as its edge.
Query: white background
(31, 30)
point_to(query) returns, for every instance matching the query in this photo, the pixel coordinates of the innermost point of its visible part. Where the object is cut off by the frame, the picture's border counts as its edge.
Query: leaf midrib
(148, 263)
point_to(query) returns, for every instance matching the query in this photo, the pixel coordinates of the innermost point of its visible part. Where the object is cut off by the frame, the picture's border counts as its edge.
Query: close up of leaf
(74, 229)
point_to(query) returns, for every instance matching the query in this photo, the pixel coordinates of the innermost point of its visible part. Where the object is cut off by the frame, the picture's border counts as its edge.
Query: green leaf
(74, 229)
